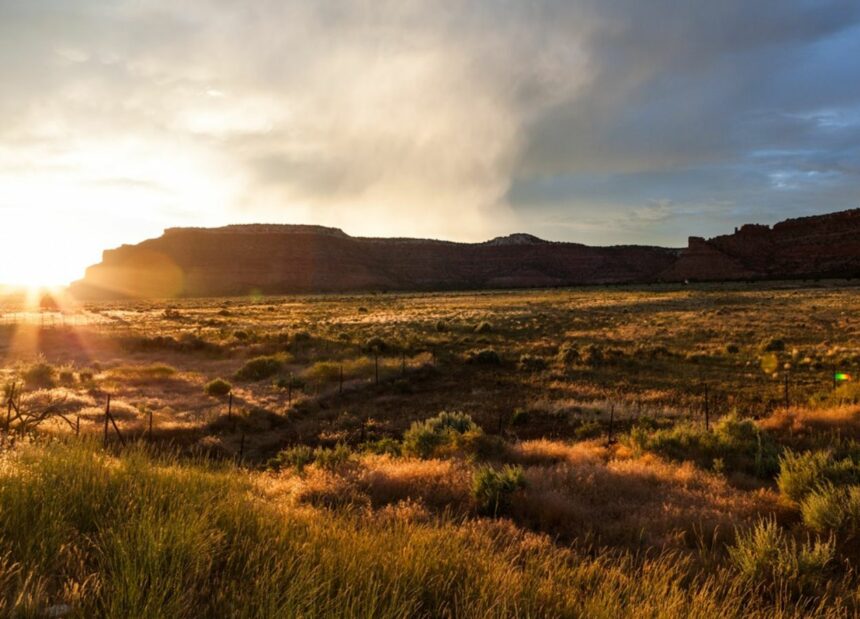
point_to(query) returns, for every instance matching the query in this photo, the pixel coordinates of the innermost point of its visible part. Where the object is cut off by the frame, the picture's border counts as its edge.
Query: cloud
(592, 120)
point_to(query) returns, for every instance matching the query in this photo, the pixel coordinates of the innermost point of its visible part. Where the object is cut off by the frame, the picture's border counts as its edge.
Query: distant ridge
(282, 258)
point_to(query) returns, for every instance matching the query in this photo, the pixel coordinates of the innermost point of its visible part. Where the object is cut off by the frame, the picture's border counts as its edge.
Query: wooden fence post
(107, 413)
(611, 422)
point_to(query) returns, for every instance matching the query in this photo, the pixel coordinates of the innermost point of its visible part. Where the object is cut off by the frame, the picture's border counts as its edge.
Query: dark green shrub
(297, 457)
(773, 344)
(568, 354)
(486, 356)
(738, 443)
(530, 363)
(767, 557)
(259, 368)
(592, 355)
(40, 374)
(375, 344)
(801, 474)
(834, 509)
(332, 458)
(423, 438)
(218, 387)
(493, 489)
(383, 446)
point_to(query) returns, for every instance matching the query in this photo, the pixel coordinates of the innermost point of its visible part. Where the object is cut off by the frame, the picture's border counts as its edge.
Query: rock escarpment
(281, 259)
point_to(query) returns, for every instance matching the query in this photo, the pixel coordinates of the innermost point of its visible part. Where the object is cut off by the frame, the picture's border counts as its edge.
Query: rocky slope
(276, 259)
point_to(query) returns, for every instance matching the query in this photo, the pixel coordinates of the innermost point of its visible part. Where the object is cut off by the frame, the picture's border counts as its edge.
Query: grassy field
(651, 451)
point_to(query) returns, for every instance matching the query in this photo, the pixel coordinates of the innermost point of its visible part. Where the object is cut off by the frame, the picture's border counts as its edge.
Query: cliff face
(279, 259)
(806, 247)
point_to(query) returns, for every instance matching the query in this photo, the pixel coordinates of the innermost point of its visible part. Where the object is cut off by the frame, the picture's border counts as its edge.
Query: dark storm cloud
(592, 120)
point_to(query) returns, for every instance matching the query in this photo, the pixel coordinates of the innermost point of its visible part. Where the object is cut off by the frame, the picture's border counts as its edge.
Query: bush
(531, 363)
(773, 344)
(492, 489)
(483, 327)
(259, 368)
(802, 474)
(568, 354)
(383, 446)
(766, 556)
(423, 438)
(487, 356)
(66, 377)
(592, 355)
(832, 509)
(40, 374)
(375, 344)
(332, 458)
(297, 457)
(738, 443)
(218, 387)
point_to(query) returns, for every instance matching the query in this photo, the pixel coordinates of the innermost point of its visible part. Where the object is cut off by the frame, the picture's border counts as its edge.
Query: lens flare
(842, 377)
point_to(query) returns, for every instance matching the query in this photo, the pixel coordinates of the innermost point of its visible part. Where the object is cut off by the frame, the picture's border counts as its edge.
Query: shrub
(738, 443)
(218, 387)
(732, 349)
(773, 344)
(259, 368)
(592, 355)
(486, 356)
(568, 354)
(423, 438)
(297, 457)
(483, 327)
(801, 474)
(492, 489)
(531, 363)
(383, 446)
(332, 458)
(40, 374)
(441, 326)
(832, 509)
(766, 556)
(66, 376)
(376, 344)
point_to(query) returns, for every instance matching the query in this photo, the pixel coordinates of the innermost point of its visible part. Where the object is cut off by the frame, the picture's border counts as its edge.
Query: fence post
(77, 425)
(107, 413)
(611, 422)
(230, 406)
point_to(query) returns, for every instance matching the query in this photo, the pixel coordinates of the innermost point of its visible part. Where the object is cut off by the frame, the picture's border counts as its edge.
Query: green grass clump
(767, 557)
(737, 444)
(424, 438)
(260, 368)
(296, 457)
(218, 387)
(833, 509)
(493, 488)
(800, 474)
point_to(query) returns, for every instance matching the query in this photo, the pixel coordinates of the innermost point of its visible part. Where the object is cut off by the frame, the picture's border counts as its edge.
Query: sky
(596, 121)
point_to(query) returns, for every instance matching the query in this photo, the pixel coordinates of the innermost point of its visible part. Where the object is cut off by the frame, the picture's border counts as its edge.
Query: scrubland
(649, 452)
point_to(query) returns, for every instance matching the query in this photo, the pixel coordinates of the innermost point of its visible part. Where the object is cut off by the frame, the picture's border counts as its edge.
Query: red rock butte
(283, 259)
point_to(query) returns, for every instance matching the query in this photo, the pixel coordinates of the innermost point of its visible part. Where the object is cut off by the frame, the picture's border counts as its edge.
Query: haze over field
(590, 121)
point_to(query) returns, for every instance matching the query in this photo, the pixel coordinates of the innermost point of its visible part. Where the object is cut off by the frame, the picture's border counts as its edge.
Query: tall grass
(152, 536)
